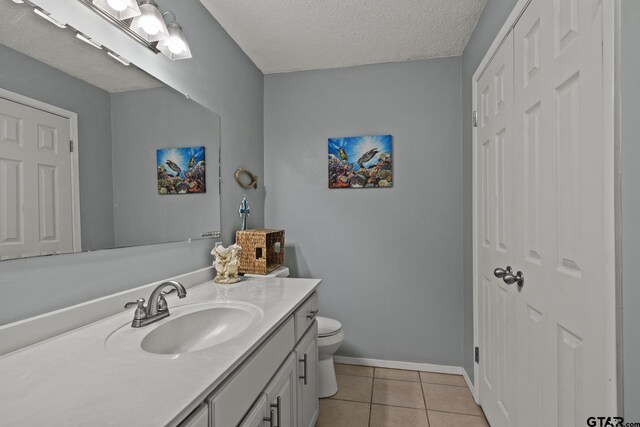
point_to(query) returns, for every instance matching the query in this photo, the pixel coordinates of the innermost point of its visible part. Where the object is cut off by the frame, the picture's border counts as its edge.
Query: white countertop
(75, 380)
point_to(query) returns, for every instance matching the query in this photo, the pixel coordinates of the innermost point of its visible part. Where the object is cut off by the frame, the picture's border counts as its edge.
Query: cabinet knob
(312, 314)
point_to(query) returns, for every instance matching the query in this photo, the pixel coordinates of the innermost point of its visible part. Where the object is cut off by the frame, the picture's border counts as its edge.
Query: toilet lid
(327, 326)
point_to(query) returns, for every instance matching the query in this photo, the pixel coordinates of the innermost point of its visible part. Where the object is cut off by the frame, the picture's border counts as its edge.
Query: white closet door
(496, 244)
(35, 182)
(561, 342)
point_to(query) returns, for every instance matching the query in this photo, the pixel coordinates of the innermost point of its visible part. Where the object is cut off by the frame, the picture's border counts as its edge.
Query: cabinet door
(198, 418)
(257, 414)
(307, 355)
(281, 394)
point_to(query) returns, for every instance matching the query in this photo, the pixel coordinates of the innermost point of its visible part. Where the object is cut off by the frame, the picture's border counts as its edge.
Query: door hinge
(474, 119)
(477, 354)
(71, 146)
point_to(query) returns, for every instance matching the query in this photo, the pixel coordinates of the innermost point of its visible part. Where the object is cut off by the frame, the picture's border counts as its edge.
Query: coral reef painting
(181, 170)
(360, 162)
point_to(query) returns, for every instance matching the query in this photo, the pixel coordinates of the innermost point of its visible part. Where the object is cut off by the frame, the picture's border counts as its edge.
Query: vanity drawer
(305, 315)
(229, 405)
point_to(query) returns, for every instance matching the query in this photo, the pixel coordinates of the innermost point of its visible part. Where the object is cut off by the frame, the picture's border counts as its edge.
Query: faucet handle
(140, 309)
(139, 302)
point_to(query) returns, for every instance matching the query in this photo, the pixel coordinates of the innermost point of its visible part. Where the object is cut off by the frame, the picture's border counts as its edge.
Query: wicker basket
(262, 250)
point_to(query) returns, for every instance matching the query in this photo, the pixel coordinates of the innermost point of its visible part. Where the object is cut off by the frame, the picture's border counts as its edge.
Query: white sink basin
(190, 328)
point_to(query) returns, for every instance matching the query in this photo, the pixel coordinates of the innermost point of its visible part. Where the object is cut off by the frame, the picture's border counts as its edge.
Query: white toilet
(330, 336)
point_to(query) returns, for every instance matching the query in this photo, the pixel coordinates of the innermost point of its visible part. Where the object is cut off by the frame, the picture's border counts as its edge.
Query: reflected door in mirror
(36, 199)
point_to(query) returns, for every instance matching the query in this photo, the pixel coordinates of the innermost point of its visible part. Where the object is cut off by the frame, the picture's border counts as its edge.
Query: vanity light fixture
(119, 9)
(87, 40)
(48, 17)
(175, 46)
(18, 1)
(118, 58)
(150, 24)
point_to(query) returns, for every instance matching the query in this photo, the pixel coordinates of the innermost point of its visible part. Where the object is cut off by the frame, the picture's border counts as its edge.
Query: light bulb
(150, 25)
(175, 45)
(117, 5)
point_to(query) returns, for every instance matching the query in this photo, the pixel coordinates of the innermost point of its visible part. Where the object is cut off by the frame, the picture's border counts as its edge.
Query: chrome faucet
(156, 308)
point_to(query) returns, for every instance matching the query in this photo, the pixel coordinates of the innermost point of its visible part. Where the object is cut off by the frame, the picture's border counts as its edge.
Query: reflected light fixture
(87, 40)
(18, 1)
(48, 17)
(120, 9)
(150, 24)
(175, 46)
(118, 58)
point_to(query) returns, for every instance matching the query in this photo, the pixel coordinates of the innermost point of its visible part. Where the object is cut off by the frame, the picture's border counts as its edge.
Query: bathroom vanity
(256, 365)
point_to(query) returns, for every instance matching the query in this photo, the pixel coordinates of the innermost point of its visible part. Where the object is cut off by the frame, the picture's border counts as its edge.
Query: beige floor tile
(360, 371)
(393, 416)
(445, 419)
(449, 398)
(353, 388)
(432, 377)
(397, 374)
(397, 393)
(340, 413)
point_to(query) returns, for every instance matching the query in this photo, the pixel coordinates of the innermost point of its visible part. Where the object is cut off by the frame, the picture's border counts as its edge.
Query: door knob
(500, 272)
(510, 279)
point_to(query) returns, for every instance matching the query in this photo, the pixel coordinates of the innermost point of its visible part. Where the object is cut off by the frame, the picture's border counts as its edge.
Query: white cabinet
(282, 394)
(198, 418)
(276, 386)
(307, 355)
(257, 414)
(230, 403)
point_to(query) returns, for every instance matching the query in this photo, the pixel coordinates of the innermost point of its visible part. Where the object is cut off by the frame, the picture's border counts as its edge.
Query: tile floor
(380, 397)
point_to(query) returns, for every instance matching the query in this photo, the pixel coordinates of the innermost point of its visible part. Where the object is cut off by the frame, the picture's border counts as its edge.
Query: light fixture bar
(118, 58)
(42, 14)
(88, 40)
(123, 25)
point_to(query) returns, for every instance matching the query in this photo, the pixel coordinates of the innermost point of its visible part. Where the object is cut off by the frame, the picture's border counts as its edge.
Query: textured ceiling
(291, 35)
(26, 32)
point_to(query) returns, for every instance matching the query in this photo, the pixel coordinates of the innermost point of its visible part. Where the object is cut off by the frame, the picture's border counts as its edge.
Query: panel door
(258, 413)
(307, 387)
(282, 393)
(496, 242)
(199, 418)
(561, 313)
(36, 216)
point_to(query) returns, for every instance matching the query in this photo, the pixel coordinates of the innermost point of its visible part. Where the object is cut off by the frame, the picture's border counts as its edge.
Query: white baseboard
(394, 364)
(472, 389)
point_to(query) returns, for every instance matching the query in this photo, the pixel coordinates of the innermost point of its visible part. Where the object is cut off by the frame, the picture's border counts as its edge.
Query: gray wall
(492, 19)
(630, 130)
(220, 77)
(142, 122)
(26, 76)
(391, 258)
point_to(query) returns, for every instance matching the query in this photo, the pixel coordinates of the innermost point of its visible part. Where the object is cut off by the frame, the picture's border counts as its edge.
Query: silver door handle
(270, 418)
(304, 375)
(500, 272)
(277, 408)
(510, 279)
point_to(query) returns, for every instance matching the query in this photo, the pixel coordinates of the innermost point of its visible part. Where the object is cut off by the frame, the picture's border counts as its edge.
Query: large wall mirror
(95, 154)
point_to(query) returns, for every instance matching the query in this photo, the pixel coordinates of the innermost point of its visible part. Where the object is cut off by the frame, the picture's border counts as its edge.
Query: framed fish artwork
(361, 162)
(181, 170)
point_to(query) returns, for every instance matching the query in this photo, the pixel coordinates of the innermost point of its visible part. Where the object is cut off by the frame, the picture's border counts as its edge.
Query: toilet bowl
(330, 336)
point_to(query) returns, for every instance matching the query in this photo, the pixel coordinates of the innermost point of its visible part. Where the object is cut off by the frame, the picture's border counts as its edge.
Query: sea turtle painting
(181, 170)
(361, 162)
